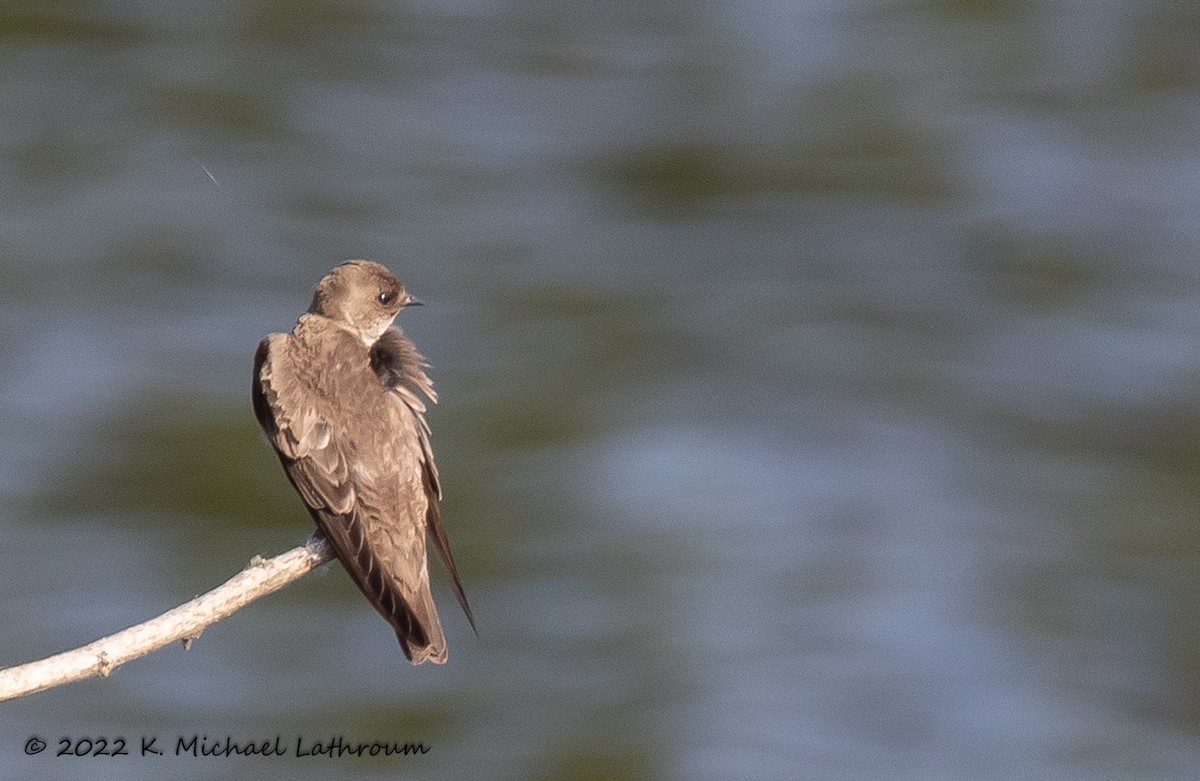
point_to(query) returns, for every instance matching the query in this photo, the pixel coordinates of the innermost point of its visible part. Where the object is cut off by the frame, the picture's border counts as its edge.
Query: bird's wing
(303, 438)
(317, 463)
(401, 368)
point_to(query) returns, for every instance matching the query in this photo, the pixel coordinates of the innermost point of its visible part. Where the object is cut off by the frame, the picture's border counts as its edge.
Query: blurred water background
(819, 378)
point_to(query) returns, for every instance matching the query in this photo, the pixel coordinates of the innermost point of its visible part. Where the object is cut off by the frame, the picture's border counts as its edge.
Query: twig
(185, 623)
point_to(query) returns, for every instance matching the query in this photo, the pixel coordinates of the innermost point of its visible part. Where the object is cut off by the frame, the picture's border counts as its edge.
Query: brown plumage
(339, 399)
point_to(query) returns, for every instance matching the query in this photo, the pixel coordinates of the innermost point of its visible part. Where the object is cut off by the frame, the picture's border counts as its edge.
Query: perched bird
(339, 399)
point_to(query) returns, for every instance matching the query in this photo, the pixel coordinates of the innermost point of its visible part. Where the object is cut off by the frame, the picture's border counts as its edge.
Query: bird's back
(355, 455)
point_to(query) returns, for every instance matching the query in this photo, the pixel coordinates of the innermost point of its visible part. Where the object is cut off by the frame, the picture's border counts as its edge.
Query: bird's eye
(387, 297)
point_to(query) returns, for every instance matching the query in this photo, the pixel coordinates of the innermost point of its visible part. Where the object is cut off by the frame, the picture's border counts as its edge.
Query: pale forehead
(365, 272)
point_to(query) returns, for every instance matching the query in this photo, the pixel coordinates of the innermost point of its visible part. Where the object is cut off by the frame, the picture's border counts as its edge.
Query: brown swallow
(339, 399)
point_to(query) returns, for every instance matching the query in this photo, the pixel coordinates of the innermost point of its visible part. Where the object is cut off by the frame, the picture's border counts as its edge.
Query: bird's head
(363, 296)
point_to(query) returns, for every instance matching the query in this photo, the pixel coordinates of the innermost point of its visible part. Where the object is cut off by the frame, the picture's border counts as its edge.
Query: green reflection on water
(842, 139)
(310, 23)
(975, 9)
(62, 22)
(217, 110)
(601, 762)
(582, 348)
(1039, 272)
(210, 462)
(1164, 53)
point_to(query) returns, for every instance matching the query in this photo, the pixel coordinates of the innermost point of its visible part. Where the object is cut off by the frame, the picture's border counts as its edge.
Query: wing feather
(401, 368)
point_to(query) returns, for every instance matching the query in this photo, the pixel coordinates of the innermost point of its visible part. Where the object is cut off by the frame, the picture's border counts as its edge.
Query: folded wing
(401, 368)
(318, 464)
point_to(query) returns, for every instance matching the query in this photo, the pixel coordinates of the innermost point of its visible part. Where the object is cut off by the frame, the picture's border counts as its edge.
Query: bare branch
(184, 623)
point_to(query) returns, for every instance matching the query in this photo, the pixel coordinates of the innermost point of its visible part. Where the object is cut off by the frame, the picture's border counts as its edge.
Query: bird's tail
(408, 607)
(420, 635)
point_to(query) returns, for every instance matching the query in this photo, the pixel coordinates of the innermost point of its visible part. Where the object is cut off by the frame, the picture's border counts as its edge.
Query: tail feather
(427, 643)
(411, 613)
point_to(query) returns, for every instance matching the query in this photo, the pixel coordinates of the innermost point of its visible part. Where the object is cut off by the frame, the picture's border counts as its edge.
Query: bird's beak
(413, 301)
